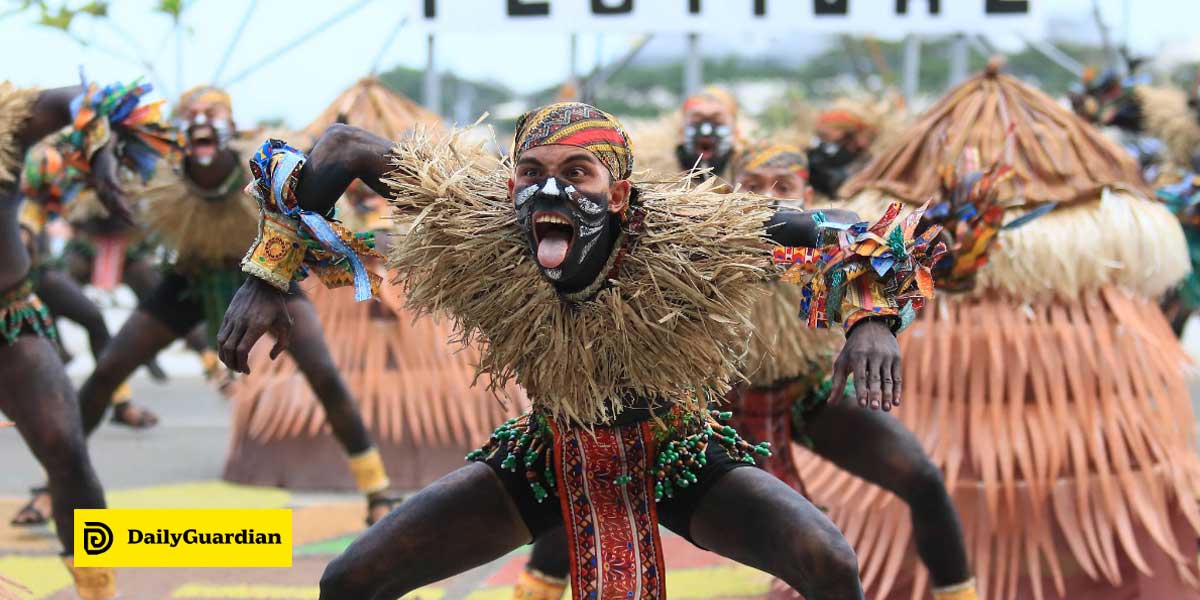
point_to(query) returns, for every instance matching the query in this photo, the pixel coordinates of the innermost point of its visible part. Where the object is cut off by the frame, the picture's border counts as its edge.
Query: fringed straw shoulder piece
(782, 346)
(671, 326)
(197, 227)
(655, 140)
(15, 105)
(1167, 116)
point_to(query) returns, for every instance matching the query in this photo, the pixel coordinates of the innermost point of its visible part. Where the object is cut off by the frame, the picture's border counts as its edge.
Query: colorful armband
(971, 213)
(278, 253)
(864, 271)
(293, 241)
(117, 109)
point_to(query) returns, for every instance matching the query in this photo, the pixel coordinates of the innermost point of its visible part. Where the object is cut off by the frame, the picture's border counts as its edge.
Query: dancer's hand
(257, 308)
(872, 354)
(107, 180)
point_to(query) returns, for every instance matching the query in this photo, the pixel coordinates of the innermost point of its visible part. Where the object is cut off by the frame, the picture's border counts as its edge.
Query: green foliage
(411, 83)
(57, 17)
(172, 8)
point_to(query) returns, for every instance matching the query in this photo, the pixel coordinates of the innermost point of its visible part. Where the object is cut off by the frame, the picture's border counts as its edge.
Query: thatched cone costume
(369, 105)
(414, 390)
(1052, 396)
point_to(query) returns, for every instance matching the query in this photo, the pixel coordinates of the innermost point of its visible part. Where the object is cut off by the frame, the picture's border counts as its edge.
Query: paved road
(179, 464)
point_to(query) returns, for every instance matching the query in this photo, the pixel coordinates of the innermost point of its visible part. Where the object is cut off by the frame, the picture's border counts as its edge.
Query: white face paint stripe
(524, 195)
(551, 187)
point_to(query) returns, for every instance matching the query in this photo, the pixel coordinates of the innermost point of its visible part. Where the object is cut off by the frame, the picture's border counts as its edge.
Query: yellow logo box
(183, 538)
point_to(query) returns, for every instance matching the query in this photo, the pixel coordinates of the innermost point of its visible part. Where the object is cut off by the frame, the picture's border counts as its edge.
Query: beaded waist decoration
(22, 312)
(608, 480)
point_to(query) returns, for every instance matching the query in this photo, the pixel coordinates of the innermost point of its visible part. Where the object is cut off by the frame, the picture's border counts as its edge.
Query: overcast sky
(302, 81)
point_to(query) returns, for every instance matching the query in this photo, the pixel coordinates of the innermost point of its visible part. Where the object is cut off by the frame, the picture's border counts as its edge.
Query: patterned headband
(580, 125)
(713, 94)
(205, 93)
(773, 156)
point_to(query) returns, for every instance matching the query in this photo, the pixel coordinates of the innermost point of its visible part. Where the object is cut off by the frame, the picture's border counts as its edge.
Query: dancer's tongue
(553, 247)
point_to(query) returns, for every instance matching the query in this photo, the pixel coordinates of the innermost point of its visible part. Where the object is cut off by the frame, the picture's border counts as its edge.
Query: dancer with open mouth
(623, 324)
(201, 214)
(39, 398)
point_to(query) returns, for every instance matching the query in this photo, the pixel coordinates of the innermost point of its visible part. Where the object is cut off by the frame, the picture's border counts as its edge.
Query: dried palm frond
(1055, 155)
(411, 384)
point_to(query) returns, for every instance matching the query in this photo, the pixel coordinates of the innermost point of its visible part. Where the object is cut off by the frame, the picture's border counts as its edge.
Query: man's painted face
(829, 160)
(775, 182)
(562, 198)
(208, 127)
(707, 135)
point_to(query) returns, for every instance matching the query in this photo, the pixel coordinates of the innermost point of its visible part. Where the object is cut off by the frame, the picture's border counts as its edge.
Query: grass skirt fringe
(1065, 433)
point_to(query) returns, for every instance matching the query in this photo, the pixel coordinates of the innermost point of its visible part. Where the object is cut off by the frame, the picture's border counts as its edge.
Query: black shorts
(675, 512)
(178, 303)
(174, 304)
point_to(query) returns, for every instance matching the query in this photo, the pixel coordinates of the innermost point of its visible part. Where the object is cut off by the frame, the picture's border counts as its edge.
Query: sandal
(131, 416)
(375, 502)
(30, 515)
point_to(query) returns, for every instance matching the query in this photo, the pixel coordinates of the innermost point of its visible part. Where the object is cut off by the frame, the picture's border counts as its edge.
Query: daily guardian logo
(191, 536)
(97, 537)
(183, 538)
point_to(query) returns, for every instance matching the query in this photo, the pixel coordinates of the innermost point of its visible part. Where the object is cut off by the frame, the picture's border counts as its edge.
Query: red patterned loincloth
(765, 415)
(607, 497)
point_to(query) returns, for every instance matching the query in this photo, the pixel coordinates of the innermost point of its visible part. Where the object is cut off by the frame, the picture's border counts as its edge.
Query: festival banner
(881, 18)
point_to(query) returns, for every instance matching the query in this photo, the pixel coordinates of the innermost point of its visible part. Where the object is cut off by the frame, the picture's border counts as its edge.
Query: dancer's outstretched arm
(51, 112)
(871, 353)
(797, 227)
(340, 156)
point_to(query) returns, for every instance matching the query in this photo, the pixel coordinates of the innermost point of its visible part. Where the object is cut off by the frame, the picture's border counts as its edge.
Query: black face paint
(570, 233)
(205, 137)
(829, 165)
(706, 145)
